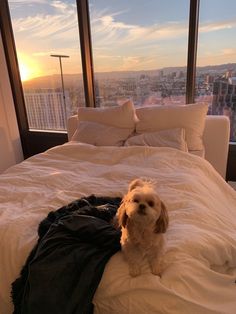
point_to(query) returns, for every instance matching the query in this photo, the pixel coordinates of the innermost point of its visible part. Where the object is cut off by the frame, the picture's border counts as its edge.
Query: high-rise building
(161, 73)
(209, 79)
(224, 101)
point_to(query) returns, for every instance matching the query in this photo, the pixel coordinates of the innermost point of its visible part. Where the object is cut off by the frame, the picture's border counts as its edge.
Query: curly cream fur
(144, 220)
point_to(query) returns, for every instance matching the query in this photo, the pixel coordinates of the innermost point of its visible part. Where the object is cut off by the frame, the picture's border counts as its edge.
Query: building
(224, 101)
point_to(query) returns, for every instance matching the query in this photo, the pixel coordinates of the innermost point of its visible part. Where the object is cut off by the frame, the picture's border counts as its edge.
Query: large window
(216, 67)
(139, 51)
(48, 52)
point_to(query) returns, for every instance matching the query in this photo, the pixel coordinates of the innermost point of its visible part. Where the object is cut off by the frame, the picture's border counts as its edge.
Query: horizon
(131, 71)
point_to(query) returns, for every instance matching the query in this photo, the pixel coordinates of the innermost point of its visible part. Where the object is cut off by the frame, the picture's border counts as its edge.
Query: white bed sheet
(200, 261)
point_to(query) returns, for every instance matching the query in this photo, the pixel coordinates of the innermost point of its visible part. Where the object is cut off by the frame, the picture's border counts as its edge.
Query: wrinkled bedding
(200, 261)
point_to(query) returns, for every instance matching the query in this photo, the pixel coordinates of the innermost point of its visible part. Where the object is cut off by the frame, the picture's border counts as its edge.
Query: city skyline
(142, 36)
(45, 106)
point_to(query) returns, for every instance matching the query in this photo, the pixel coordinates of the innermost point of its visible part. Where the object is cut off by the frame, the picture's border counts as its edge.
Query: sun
(24, 72)
(28, 68)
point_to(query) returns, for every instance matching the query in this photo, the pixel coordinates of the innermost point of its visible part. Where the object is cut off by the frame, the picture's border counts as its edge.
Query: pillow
(122, 116)
(174, 138)
(190, 117)
(105, 126)
(99, 134)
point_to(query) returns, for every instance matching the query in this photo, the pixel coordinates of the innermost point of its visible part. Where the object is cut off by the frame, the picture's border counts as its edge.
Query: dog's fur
(143, 219)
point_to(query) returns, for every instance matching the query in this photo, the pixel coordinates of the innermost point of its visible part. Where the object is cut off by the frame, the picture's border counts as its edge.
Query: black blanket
(64, 269)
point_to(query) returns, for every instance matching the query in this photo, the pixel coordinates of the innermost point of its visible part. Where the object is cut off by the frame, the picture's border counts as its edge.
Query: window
(139, 51)
(216, 67)
(48, 53)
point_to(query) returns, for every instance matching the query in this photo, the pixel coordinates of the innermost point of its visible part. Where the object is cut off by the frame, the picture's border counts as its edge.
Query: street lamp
(62, 81)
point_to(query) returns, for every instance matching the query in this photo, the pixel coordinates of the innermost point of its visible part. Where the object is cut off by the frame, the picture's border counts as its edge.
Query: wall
(10, 145)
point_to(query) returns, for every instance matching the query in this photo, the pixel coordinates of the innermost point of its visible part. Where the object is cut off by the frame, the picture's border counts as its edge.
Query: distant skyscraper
(209, 79)
(181, 74)
(45, 109)
(224, 101)
(228, 74)
(161, 73)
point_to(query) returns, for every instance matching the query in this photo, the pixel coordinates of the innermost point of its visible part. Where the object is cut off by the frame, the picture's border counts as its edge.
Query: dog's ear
(163, 220)
(137, 182)
(122, 216)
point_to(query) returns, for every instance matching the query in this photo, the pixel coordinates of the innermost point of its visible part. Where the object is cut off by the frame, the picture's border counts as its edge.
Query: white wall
(10, 145)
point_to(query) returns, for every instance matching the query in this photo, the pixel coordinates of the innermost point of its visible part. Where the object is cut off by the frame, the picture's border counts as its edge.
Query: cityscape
(48, 106)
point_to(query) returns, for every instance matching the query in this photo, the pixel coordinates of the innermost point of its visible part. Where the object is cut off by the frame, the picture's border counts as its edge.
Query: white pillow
(190, 117)
(99, 134)
(105, 126)
(174, 138)
(122, 116)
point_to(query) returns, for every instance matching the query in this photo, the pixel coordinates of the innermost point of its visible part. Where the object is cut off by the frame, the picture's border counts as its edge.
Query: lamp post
(62, 81)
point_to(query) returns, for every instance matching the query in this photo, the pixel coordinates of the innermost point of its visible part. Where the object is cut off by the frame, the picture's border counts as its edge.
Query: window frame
(34, 142)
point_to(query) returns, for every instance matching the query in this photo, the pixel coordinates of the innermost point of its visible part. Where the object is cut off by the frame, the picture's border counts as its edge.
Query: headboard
(215, 138)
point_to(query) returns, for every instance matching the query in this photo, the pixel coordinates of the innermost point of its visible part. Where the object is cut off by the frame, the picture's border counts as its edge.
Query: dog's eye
(135, 200)
(151, 203)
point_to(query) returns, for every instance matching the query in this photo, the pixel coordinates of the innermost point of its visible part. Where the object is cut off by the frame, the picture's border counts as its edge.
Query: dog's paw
(134, 271)
(156, 269)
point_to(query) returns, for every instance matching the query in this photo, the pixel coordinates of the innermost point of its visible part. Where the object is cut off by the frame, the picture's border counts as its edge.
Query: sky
(126, 35)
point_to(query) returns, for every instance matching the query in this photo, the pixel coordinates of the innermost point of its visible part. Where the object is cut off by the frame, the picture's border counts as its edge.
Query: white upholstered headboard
(215, 138)
(216, 142)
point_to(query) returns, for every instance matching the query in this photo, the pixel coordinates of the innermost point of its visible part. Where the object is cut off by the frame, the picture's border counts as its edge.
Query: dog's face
(142, 205)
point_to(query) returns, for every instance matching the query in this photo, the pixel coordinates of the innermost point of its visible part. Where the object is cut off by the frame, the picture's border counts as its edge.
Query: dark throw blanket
(64, 269)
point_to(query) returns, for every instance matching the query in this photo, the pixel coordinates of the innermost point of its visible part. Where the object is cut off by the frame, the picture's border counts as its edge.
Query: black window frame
(34, 142)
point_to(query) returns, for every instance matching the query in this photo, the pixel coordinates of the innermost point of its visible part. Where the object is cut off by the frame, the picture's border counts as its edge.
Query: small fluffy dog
(143, 218)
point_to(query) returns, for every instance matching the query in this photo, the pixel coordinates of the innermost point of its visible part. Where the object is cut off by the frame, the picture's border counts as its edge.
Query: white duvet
(200, 260)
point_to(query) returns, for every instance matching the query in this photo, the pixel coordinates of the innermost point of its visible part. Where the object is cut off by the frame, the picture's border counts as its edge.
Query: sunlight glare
(24, 72)
(28, 68)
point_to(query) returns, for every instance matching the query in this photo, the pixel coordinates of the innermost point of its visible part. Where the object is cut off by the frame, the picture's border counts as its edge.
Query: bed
(200, 260)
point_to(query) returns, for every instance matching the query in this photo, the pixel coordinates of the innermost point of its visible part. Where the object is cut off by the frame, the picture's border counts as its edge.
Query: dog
(143, 219)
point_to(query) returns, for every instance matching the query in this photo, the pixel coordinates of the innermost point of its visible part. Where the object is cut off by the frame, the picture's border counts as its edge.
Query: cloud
(106, 28)
(159, 31)
(139, 63)
(44, 26)
(27, 2)
(46, 53)
(108, 21)
(57, 25)
(15, 4)
(216, 56)
(216, 26)
(229, 51)
(131, 63)
(63, 7)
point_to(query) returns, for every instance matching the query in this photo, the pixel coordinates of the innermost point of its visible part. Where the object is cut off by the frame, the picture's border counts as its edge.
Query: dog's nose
(141, 208)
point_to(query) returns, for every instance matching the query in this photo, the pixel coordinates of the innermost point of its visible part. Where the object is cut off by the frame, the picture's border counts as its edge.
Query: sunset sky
(126, 35)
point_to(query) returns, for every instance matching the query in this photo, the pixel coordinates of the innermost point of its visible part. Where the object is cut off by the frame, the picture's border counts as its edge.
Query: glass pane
(139, 50)
(216, 67)
(48, 51)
